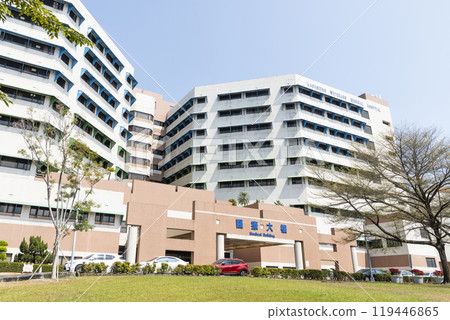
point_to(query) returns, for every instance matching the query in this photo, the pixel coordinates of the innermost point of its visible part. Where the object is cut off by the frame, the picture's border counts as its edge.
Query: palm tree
(243, 199)
(233, 202)
(278, 203)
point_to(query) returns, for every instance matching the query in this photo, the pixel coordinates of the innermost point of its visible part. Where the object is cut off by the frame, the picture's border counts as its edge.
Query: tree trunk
(445, 269)
(55, 255)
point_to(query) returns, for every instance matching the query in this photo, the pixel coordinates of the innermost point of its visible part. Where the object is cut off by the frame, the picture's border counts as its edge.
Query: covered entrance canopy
(234, 242)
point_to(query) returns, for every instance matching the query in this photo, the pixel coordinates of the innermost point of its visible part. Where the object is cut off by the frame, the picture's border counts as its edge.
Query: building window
(200, 116)
(10, 208)
(376, 244)
(261, 183)
(365, 114)
(201, 132)
(230, 96)
(15, 163)
(42, 212)
(200, 167)
(289, 106)
(201, 149)
(424, 234)
(296, 180)
(261, 163)
(257, 93)
(158, 152)
(231, 184)
(431, 262)
(61, 82)
(201, 100)
(393, 243)
(291, 124)
(103, 218)
(237, 165)
(386, 123)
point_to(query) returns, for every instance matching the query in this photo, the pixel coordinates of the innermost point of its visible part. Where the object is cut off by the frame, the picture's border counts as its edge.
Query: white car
(171, 261)
(106, 258)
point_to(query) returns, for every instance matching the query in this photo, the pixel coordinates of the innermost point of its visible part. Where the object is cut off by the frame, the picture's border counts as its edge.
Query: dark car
(232, 266)
(366, 273)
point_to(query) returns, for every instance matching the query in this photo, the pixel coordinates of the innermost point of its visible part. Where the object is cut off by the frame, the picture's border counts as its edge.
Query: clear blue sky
(400, 49)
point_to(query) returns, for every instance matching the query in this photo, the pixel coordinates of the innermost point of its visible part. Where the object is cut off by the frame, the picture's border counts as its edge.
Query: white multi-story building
(262, 136)
(94, 83)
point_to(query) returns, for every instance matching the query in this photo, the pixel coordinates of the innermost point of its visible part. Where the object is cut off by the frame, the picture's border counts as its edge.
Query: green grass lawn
(183, 288)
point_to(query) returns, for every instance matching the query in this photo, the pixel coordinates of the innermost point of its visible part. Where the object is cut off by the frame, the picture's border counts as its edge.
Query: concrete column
(354, 258)
(132, 243)
(298, 255)
(220, 246)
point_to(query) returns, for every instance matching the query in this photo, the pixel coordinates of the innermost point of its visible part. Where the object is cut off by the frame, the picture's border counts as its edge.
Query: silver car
(171, 261)
(107, 258)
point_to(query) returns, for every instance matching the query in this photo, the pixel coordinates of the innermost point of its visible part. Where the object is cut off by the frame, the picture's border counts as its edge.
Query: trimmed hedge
(14, 267)
(47, 267)
(382, 277)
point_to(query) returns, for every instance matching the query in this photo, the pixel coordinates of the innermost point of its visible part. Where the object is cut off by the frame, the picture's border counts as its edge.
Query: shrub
(394, 271)
(34, 252)
(136, 268)
(417, 272)
(407, 279)
(3, 245)
(285, 273)
(149, 268)
(197, 269)
(6, 266)
(382, 277)
(340, 275)
(164, 268)
(256, 272)
(357, 276)
(46, 268)
(189, 269)
(117, 267)
(209, 270)
(274, 272)
(312, 274)
(429, 279)
(87, 267)
(217, 271)
(100, 267)
(265, 272)
(179, 269)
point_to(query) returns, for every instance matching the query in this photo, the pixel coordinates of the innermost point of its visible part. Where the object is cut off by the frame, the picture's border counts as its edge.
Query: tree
(34, 252)
(278, 203)
(42, 17)
(401, 190)
(233, 202)
(64, 164)
(243, 199)
(3, 245)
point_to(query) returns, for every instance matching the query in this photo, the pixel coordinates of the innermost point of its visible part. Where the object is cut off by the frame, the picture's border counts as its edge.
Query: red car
(232, 266)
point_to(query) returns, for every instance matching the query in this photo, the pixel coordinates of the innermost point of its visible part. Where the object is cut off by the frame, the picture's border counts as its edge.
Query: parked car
(366, 273)
(406, 273)
(171, 261)
(232, 266)
(107, 258)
